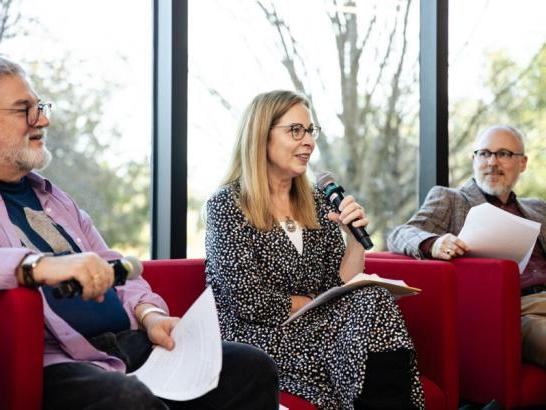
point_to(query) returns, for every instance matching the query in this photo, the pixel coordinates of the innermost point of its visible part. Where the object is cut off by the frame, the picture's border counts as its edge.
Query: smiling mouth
(303, 156)
(37, 137)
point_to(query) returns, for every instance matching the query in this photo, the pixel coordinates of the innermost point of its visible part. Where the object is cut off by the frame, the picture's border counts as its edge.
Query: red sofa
(489, 334)
(430, 319)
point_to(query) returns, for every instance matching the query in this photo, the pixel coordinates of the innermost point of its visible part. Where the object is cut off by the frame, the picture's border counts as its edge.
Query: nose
(492, 159)
(308, 139)
(43, 121)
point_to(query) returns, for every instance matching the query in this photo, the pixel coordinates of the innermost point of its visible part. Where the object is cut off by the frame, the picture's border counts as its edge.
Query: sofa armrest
(387, 255)
(21, 349)
(178, 281)
(489, 328)
(430, 317)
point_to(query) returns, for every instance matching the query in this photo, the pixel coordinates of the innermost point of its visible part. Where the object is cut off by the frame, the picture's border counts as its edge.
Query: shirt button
(78, 240)
(48, 210)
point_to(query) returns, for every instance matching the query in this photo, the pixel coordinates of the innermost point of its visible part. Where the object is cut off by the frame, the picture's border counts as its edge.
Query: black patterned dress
(321, 356)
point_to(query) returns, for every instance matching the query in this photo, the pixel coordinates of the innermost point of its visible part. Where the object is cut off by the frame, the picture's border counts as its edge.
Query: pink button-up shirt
(62, 342)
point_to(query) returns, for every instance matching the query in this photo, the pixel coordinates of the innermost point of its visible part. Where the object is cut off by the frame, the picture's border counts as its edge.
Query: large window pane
(498, 75)
(357, 61)
(93, 60)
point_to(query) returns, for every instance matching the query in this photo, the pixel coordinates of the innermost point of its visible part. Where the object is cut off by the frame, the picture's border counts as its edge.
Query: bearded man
(498, 160)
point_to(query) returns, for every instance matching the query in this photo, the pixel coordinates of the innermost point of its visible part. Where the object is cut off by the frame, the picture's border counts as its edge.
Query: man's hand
(159, 328)
(92, 272)
(447, 247)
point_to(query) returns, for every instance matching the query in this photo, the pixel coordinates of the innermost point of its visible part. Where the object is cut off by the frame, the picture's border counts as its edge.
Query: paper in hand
(193, 367)
(491, 232)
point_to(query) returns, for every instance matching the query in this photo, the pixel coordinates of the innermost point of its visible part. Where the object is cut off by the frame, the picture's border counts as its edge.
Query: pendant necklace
(290, 224)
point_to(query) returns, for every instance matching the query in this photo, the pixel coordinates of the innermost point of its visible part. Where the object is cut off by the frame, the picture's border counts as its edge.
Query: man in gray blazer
(499, 158)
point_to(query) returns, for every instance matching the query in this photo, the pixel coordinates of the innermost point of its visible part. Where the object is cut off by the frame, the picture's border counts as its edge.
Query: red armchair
(489, 334)
(430, 316)
(21, 349)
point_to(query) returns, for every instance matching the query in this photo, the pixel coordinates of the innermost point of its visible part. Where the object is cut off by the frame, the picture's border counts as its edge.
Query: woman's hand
(350, 212)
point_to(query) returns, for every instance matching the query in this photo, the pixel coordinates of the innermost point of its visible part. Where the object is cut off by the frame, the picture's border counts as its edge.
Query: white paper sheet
(281, 407)
(192, 368)
(491, 232)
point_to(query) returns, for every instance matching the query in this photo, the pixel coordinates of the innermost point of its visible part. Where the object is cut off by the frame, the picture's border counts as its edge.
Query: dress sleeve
(232, 266)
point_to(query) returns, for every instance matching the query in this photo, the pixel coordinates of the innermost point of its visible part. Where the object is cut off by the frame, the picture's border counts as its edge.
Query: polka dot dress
(322, 355)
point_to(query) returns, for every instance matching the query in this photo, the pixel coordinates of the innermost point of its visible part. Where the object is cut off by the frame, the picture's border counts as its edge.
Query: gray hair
(517, 134)
(8, 67)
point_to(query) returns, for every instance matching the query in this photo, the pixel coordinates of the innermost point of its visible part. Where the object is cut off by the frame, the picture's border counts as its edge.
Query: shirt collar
(493, 200)
(39, 182)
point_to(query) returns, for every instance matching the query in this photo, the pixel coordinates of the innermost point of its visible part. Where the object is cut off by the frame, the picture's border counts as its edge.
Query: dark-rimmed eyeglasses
(501, 155)
(298, 130)
(33, 112)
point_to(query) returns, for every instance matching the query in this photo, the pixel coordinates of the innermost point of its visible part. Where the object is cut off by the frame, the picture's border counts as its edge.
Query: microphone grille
(324, 178)
(136, 267)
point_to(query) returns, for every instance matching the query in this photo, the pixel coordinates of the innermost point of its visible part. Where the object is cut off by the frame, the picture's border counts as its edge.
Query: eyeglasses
(298, 130)
(33, 112)
(502, 154)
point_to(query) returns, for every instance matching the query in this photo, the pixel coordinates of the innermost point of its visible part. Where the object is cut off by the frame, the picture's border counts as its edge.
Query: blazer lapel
(472, 193)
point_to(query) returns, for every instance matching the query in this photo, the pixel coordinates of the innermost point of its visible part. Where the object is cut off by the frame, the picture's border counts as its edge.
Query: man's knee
(533, 331)
(252, 361)
(130, 394)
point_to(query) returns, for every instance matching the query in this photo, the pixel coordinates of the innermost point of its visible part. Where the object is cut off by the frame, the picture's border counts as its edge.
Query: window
(497, 75)
(357, 62)
(93, 60)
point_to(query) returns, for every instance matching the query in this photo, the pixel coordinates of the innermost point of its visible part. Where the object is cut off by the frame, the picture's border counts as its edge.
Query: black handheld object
(125, 268)
(334, 193)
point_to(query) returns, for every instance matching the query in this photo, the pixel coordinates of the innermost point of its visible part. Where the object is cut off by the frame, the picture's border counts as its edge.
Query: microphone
(125, 268)
(334, 193)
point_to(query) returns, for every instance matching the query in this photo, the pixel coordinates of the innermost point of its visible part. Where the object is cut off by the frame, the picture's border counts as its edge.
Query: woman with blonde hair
(273, 243)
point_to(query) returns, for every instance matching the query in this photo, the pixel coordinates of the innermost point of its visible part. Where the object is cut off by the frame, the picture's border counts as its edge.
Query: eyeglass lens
(34, 112)
(484, 154)
(298, 131)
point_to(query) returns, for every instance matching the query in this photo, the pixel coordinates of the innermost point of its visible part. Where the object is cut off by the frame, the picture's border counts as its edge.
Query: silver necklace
(290, 224)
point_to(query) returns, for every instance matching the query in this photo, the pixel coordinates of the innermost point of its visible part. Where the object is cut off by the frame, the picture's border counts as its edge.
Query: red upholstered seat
(429, 318)
(490, 336)
(489, 332)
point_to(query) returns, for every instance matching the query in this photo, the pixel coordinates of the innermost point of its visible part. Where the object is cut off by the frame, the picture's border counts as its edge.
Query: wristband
(147, 311)
(28, 265)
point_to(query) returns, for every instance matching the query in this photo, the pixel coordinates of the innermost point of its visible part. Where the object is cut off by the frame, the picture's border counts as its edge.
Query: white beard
(497, 190)
(25, 158)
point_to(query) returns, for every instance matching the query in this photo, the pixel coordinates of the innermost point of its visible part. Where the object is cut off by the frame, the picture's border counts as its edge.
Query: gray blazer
(445, 210)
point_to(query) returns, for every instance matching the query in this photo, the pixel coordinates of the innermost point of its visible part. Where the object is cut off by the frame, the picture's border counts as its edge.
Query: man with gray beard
(93, 339)
(498, 160)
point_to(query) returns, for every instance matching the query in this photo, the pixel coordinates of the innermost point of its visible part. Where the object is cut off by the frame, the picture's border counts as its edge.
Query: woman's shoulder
(224, 203)
(226, 194)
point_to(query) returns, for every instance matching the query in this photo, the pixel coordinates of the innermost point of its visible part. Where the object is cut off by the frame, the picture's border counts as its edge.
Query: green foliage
(116, 196)
(517, 96)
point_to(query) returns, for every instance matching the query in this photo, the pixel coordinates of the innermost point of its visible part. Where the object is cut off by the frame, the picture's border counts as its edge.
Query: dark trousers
(388, 382)
(248, 380)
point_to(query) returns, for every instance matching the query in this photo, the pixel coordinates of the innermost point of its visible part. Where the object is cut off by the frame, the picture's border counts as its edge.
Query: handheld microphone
(125, 268)
(334, 193)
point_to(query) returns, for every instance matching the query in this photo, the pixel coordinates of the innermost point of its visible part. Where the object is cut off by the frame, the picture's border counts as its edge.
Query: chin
(493, 189)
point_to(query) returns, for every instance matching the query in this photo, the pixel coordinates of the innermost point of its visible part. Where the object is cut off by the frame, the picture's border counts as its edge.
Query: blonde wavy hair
(248, 165)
